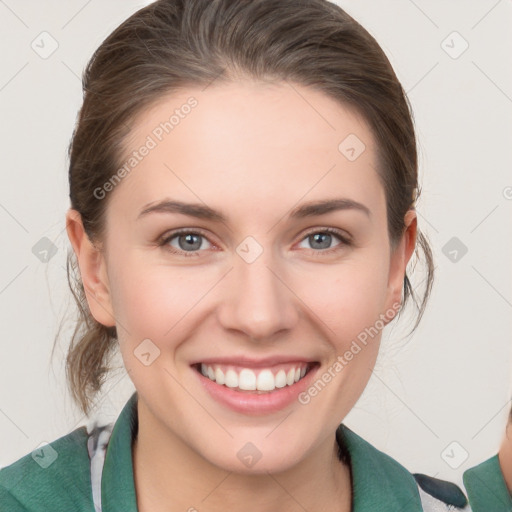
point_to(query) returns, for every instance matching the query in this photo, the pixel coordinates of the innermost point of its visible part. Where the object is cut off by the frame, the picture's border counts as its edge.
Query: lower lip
(253, 403)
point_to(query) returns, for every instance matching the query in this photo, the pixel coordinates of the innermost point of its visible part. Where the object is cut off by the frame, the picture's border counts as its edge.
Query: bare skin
(254, 153)
(505, 457)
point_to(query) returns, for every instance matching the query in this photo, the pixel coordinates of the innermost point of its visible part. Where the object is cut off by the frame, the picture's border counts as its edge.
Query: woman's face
(253, 288)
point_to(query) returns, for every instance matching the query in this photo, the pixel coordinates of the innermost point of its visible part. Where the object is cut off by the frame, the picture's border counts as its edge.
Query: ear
(399, 259)
(92, 270)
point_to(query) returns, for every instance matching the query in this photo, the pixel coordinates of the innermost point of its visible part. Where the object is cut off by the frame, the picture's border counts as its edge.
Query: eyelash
(345, 241)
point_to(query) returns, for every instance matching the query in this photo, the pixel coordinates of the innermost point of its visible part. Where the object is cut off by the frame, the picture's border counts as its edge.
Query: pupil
(326, 241)
(190, 242)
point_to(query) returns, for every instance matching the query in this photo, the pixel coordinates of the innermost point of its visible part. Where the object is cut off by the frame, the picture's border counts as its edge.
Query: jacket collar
(378, 481)
(117, 482)
(486, 488)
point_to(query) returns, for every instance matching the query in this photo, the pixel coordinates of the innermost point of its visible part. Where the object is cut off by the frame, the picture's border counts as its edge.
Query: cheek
(156, 303)
(347, 298)
(151, 300)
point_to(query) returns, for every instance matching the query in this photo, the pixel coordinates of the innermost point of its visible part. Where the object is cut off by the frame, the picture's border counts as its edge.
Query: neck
(170, 476)
(505, 457)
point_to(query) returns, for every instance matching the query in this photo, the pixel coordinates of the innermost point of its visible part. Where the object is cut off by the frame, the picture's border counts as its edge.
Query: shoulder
(55, 476)
(379, 480)
(486, 487)
(488, 472)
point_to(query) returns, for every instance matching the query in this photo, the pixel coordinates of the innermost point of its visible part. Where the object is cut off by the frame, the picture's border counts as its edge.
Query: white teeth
(281, 379)
(231, 379)
(219, 376)
(266, 381)
(247, 380)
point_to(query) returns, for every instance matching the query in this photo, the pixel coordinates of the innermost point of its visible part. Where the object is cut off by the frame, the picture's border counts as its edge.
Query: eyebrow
(202, 211)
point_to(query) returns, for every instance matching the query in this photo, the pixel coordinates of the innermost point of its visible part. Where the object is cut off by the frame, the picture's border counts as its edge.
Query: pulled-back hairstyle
(175, 44)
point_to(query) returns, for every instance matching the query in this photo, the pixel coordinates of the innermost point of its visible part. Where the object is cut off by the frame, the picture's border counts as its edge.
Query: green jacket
(57, 477)
(486, 488)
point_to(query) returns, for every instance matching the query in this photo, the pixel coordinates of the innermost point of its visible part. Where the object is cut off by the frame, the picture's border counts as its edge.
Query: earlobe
(92, 266)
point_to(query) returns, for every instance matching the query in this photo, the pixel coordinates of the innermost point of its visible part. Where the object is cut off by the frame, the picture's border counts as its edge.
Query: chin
(259, 453)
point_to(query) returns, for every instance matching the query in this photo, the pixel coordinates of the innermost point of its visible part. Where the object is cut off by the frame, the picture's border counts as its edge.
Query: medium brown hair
(175, 44)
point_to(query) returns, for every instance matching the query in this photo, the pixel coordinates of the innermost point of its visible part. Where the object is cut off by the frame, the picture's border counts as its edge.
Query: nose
(257, 299)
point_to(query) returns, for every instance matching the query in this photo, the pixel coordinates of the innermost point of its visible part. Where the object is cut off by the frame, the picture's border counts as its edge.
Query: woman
(218, 143)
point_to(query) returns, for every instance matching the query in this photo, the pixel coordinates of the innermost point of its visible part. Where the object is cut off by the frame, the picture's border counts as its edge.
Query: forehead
(272, 142)
(275, 114)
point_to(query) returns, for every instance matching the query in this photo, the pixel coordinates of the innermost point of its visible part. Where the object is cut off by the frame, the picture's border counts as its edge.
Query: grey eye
(320, 240)
(188, 241)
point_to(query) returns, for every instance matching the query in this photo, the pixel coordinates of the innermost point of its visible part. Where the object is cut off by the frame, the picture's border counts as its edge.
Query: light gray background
(450, 382)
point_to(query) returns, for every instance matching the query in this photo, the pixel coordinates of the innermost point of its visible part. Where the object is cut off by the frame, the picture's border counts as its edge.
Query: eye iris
(190, 244)
(323, 238)
(192, 241)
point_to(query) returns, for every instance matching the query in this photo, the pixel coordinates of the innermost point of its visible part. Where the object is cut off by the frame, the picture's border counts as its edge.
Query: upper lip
(250, 362)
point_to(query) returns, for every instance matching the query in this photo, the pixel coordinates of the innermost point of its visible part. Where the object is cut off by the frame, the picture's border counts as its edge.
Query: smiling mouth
(255, 380)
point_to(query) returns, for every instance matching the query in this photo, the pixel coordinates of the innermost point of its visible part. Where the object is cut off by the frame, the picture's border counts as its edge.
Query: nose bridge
(258, 302)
